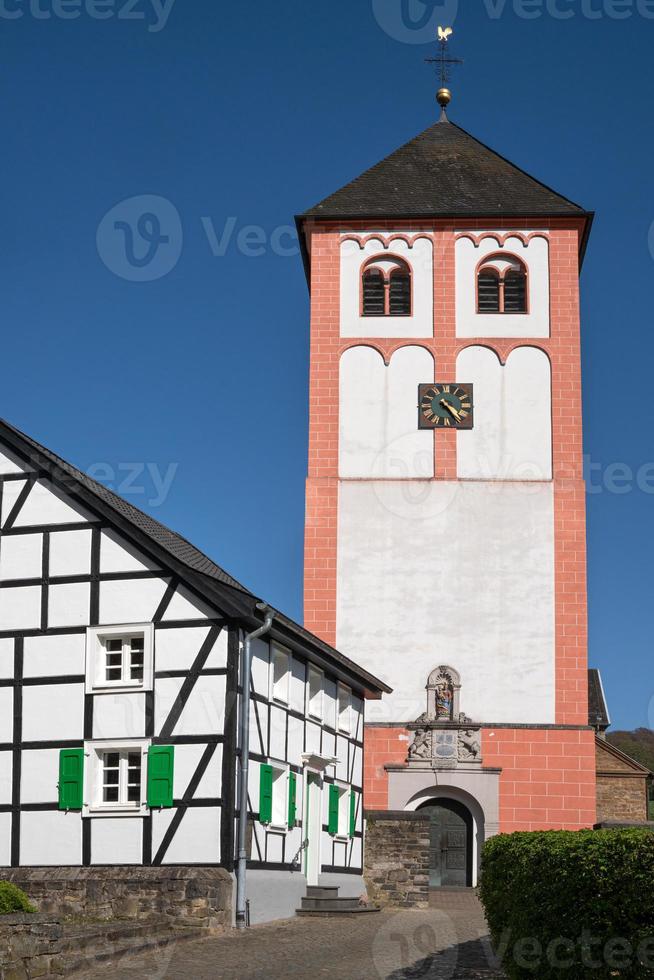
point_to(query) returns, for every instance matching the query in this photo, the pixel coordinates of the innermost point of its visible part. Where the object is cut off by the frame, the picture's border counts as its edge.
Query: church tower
(445, 517)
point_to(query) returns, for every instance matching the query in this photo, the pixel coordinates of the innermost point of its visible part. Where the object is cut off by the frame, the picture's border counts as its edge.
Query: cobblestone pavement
(447, 942)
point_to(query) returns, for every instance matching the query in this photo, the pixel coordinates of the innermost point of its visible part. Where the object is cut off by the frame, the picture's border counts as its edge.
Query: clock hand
(451, 409)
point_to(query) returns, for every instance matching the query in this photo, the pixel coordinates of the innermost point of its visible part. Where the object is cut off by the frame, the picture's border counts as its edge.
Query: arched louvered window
(488, 291)
(374, 292)
(386, 288)
(502, 285)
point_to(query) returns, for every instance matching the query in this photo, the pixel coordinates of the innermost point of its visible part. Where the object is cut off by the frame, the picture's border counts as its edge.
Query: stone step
(359, 910)
(329, 904)
(320, 891)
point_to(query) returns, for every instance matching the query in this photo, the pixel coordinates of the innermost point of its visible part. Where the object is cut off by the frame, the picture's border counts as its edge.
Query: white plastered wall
(420, 259)
(535, 255)
(512, 435)
(460, 574)
(379, 435)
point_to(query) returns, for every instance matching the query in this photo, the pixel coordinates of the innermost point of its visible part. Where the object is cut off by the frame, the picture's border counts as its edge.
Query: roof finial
(444, 66)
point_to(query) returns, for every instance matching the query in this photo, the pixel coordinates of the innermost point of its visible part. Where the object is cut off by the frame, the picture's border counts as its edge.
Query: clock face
(445, 406)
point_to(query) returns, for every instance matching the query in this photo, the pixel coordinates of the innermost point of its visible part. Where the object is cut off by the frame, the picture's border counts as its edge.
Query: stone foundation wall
(622, 798)
(196, 896)
(396, 862)
(29, 946)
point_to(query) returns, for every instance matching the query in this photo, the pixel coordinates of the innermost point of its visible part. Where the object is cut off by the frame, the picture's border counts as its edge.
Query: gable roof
(444, 172)
(598, 712)
(194, 568)
(629, 764)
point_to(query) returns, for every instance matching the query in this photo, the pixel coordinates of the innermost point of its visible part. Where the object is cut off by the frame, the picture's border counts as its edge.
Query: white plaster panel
(130, 601)
(176, 649)
(355, 853)
(341, 755)
(5, 840)
(50, 837)
(11, 464)
(298, 681)
(356, 774)
(277, 748)
(117, 555)
(340, 854)
(69, 604)
(328, 744)
(5, 776)
(260, 667)
(70, 553)
(117, 841)
(21, 556)
(46, 504)
(39, 776)
(187, 759)
(535, 255)
(6, 658)
(357, 718)
(53, 712)
(295, 740)
(184, 605)
(118, 715)
(6, 714)
(204, 711)
(274, 847)
(20, 608)
(10, 493)
(259, 728)
(197, 840)
(253, 784)
(420, 260)
(50, 656)
(312, 735)
(463, 575)
(512, 435)
(379, 433)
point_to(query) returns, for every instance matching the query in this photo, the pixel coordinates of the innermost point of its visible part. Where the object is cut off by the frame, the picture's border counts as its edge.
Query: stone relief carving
(444, 737)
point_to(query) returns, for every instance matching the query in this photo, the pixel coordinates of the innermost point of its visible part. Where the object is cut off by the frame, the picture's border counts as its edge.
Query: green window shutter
(161, 764)
(353, 813)
(332, 826)
(71, 779)
(265, 793)
(292, 799)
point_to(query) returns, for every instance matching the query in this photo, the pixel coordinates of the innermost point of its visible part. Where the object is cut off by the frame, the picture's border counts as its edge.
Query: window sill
(117, 811)
(117, 689)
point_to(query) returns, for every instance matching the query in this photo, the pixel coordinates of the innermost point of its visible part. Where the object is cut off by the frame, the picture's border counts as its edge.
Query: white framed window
(280, 674)
(315, 693)
(120, 658)
(344, 709)
(116, 777)
(279, 819)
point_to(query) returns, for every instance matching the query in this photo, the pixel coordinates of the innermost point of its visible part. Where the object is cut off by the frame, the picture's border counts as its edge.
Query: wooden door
(449, 848)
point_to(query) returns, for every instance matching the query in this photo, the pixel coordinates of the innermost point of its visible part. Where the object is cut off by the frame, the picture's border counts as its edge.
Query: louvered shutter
(489, 292)
(332, 824)
(71, 779)
(373, 293)
(515, 292)
(265, 793)
(292, 800)
(161, 764)
(353, 813)
(400, 295)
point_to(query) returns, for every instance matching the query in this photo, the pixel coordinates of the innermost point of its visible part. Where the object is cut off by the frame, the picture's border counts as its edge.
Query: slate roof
(598, 712)
(444, 172)
(203, 574)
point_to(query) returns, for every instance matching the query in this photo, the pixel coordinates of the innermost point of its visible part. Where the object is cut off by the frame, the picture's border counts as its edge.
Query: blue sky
(243, 115)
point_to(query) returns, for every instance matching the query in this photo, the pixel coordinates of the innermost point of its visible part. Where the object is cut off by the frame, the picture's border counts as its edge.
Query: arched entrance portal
(450, 850)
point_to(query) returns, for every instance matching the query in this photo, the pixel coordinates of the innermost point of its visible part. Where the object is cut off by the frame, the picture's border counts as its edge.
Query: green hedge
(571, 904)
(12, 899)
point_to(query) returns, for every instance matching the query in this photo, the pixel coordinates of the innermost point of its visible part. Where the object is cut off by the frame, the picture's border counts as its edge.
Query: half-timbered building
(120, 647)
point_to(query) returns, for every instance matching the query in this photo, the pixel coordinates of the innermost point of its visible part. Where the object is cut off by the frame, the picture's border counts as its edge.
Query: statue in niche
(443, 687)
(420, 749)
(469, 746)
